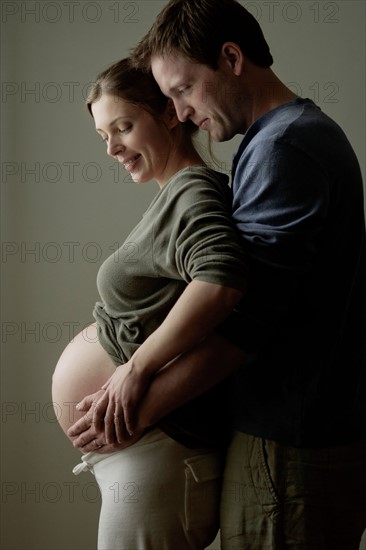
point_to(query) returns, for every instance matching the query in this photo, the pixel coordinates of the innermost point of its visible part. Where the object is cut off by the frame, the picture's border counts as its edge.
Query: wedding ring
(96, 444)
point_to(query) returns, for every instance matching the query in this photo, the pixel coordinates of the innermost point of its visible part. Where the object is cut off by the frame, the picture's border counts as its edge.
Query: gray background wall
(66, 206)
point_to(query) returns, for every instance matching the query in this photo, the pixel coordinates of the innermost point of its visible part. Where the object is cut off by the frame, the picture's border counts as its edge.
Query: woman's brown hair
(130, 84)
(134, 85)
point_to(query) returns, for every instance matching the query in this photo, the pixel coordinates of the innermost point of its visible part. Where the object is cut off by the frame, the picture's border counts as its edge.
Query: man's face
(199, 93)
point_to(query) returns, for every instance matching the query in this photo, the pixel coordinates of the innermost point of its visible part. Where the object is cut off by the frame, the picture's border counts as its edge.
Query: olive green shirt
(186, 234)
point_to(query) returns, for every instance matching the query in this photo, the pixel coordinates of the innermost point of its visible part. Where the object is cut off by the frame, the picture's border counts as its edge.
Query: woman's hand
(83, 432)
(86, 436)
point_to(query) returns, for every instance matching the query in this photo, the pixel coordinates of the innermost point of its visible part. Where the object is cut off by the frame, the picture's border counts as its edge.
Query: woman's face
(139, 141)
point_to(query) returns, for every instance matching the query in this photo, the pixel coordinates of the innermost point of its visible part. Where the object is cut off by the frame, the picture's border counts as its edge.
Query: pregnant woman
(186, 275)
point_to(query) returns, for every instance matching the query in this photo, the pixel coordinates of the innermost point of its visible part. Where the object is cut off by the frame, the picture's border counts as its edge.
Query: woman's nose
(114, 147)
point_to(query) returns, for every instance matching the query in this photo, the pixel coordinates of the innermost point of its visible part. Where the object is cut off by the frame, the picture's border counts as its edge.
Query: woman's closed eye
(125, 129)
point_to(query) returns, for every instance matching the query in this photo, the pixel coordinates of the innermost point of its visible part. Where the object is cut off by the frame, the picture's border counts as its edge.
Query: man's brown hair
(197, 30)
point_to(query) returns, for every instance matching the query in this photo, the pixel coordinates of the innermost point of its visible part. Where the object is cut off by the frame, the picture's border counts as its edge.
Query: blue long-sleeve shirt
(298, 204)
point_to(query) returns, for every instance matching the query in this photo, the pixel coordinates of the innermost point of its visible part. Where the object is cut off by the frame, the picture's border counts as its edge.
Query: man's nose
(184, 111)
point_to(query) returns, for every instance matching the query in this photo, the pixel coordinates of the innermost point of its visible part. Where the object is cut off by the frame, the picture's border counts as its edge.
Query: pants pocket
(203, 480)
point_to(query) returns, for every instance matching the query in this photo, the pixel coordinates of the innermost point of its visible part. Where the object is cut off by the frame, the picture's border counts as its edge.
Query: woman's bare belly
(82, 369)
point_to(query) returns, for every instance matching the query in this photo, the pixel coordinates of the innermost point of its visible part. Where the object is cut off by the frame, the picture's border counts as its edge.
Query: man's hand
(134, 386)
(117, 406)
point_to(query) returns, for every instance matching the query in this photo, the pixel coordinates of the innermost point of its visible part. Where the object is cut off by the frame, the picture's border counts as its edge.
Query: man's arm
(194, 373)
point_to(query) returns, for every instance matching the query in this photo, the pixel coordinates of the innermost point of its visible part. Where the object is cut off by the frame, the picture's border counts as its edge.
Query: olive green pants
(276, 497)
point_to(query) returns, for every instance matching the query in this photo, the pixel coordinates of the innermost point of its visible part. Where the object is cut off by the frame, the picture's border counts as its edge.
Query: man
(295, 473)
(296, 468)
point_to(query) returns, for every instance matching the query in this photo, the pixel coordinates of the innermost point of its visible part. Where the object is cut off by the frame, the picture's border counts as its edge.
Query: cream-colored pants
(157, 495)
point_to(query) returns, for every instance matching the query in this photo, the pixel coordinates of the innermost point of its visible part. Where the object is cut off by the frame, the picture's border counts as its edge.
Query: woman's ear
(233, 57)
(171, 114)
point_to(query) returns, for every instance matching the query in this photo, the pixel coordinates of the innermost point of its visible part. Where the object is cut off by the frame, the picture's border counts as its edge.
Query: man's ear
(232, 55)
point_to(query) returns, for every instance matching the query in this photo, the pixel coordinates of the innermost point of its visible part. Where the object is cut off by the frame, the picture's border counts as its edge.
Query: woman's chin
(137, 178)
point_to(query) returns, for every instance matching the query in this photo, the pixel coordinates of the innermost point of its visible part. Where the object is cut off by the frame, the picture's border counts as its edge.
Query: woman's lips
(130, 163)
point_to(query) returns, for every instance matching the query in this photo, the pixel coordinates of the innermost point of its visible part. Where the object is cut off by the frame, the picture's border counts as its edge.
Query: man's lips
(203, 124)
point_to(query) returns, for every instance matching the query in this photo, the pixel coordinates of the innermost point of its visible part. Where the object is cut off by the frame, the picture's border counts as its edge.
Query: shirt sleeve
(280, 208)
(203, 241)
(280, 204)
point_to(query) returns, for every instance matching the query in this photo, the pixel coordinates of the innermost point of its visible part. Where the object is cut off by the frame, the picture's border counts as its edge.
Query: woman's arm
(200, 308)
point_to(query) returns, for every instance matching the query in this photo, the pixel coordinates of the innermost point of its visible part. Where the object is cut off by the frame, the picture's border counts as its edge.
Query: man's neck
(265, 93)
